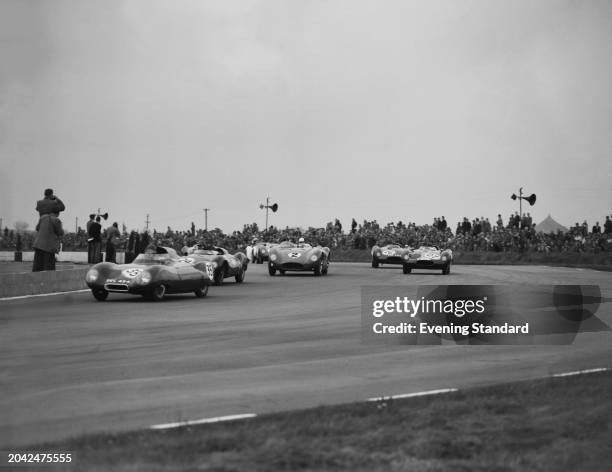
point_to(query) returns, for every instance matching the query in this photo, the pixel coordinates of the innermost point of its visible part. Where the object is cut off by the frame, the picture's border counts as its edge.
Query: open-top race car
(288, 256)
(224, 264)
(261, 252)
(428, 257)
(389, 254)
(154, 274)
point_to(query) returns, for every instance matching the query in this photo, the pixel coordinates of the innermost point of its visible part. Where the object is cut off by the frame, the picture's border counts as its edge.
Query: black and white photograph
(305, 235)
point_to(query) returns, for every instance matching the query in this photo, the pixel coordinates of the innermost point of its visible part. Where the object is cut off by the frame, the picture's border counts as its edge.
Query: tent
(549, 225)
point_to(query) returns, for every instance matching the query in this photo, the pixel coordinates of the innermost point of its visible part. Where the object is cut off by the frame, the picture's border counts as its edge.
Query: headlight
(443, 257)
(143, 278)
(92, 275)
(272, 257)
(406, 256)
(314, 257)
(378, 254)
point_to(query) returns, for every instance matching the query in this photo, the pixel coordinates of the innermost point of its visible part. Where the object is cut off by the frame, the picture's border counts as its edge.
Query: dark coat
(49, 234)
(50, 205)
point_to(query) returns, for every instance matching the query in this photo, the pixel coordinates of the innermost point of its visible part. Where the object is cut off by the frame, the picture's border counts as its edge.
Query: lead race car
(223, 263)
(157, 272)
(389, 254)
(288, 256)
(428, 257)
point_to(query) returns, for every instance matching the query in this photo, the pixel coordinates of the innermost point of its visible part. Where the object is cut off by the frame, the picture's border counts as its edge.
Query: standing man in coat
(94, 234)
(50, 204)
(47, 242)
(112, 240)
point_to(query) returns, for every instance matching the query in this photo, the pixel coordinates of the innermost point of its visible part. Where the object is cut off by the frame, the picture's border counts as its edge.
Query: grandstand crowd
(479, 234)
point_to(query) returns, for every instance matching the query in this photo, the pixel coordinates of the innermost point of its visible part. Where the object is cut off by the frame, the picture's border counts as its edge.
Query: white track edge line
(412, 395)
(217, 419)
(580, 372)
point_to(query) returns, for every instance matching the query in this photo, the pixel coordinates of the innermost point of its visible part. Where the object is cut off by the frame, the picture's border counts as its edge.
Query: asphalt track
(71, 365)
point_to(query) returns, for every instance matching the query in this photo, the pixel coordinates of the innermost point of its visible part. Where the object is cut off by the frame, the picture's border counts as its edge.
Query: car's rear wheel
(240, 276)
(271, 270)
(318, 269)
(158, 293)
(406, 269)
(375, 263)
(201, 292)
(100, 294)
(219, 275)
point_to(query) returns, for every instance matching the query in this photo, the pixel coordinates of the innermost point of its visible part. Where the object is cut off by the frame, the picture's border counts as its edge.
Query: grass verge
(598, 261)
(552, 424)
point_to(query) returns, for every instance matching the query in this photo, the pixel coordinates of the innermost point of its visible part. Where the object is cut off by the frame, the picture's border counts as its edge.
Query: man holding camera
(50, 232)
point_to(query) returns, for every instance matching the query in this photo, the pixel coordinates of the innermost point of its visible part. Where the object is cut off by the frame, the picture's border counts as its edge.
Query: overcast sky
(386, 110)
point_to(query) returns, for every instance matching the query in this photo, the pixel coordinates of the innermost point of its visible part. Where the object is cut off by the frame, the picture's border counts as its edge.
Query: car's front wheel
(240, 276)
(375, 262)
(318, 269)
(446, 269)
(406, 269)
(201, 292)
(158, 293)
(219, 275)
(100, 294)
(271, 270)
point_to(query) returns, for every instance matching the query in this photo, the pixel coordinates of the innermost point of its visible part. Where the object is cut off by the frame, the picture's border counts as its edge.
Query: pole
(267, 208)
(521, 202)
(147, 222)
(76, 225)
(206, 218)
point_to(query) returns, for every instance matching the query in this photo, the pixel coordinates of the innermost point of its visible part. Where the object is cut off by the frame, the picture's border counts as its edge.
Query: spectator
(112, 241)
(49, 204)
(596, 228)
(500, 222)
(47, 242)
(608, 225)
(94, 240)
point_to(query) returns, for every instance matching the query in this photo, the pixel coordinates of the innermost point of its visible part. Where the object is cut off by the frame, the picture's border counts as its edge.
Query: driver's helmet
(300, 242)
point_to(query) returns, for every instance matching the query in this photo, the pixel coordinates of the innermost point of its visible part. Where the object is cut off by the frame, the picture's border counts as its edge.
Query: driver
(301, 242)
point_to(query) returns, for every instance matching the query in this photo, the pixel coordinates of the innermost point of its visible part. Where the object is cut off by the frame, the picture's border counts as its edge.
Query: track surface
(71, 365)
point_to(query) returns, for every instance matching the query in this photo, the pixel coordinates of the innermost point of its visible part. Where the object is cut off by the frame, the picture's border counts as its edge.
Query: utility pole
(267, 206)
(147, 222)
(206, 210)
(76, 225)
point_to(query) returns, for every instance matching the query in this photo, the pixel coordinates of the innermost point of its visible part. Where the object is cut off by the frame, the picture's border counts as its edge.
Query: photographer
(50, 204)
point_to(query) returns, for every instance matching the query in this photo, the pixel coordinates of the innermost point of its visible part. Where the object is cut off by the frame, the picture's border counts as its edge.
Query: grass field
(554, 424)
(599, 261)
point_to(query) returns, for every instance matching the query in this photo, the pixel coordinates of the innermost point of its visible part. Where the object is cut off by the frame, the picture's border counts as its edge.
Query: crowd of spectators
(478, 234)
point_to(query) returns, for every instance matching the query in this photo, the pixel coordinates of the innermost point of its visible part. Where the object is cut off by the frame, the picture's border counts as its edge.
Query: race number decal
(209, 271)
(131, 273)
(294, 255)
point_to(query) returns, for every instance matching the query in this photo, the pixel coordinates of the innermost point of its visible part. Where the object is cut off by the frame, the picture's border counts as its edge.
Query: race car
(261, 252)
(288, 256)
(428, 257)
(157, 272)
(389, 254)
(224, 264)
